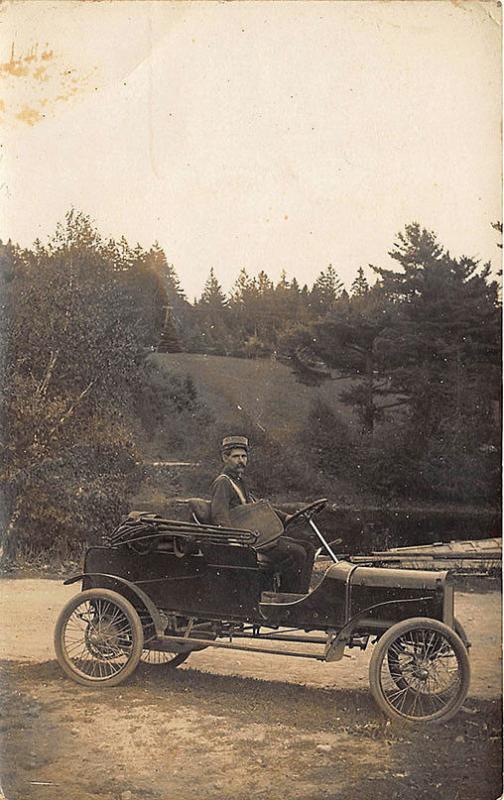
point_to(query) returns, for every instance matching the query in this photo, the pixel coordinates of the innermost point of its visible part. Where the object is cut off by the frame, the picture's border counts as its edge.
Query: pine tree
(348, 344)
(242, 287)
(325, 291)
(283, 283)
(285, 302)
(243, 309)
(446, 345)
(211, 332)
(497, 226)
(213, 296)
(360, 286)
(157, 261)
(264, 284)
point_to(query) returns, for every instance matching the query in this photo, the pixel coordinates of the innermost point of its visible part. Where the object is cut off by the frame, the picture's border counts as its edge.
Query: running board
(279, 598)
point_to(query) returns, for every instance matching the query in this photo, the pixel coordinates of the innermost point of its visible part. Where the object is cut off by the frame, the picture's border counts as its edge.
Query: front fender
(157, 618)
(337, 643)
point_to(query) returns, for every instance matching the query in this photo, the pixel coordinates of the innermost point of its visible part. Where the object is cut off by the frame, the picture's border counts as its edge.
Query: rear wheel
(151, 655)
(419, 671)
(98, 638)
(162, 658)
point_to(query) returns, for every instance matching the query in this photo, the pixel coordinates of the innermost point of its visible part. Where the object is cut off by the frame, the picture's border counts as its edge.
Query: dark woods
(423, 347)
(80, 315)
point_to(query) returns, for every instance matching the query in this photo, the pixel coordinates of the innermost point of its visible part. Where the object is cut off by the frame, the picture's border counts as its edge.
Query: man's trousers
(293, 558)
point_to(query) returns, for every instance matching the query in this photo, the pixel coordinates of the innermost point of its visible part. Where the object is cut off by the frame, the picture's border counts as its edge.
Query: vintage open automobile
(160, 589)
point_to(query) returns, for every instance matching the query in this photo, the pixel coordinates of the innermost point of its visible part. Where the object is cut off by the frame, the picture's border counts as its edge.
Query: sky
(264, 135)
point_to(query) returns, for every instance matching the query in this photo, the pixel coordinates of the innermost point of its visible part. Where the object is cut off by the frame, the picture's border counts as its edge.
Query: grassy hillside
(259, 398)
(262, 398)
(264, 391)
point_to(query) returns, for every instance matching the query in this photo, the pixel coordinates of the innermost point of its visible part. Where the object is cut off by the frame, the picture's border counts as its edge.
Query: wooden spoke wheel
(419, 671)
(98, 638)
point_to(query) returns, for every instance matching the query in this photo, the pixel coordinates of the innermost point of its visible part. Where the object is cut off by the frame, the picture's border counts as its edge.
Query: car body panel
(227, 583)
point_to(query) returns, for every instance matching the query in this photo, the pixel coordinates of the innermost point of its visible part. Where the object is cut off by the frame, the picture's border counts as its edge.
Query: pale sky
(264, 135)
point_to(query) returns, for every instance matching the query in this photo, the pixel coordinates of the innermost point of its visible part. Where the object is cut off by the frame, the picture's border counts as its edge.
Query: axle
(230, 646)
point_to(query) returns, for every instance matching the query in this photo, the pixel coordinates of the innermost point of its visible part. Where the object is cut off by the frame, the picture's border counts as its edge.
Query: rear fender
(157, 617)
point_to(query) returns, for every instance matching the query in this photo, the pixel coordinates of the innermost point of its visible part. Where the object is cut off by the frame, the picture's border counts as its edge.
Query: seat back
(259, 517)
(200, 510)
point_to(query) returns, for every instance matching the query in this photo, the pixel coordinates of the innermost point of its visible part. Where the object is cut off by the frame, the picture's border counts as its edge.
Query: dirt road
(235, 726)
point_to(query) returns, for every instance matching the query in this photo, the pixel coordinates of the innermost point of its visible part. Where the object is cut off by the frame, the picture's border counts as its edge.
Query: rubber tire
(381, 650)
(136, 628)
(459, 630)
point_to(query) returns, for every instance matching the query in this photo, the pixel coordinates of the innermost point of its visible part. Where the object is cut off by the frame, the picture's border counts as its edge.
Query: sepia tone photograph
(251, 405)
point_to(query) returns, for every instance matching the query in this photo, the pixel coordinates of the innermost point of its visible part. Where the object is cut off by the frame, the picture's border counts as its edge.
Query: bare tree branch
(393, 405)
(44, 383)
(68, 413)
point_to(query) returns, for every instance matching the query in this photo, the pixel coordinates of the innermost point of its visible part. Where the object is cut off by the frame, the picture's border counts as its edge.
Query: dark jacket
(225, 497)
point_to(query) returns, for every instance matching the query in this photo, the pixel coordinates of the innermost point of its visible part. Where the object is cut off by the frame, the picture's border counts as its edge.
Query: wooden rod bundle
(136, 530)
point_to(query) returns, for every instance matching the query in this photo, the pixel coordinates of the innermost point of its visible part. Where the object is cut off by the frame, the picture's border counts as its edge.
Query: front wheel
(419, 671)
(98, 638)
(394, 662)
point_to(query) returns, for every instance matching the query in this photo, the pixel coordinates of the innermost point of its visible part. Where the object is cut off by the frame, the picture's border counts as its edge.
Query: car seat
(200, 511)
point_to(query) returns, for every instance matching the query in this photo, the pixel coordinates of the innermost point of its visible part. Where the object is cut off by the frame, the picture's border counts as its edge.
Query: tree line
(422, 347)
(80, 314)
(251, 320)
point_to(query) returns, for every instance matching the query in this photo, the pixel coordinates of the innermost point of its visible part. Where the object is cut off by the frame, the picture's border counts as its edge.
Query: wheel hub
(421, 672)
(102, 639)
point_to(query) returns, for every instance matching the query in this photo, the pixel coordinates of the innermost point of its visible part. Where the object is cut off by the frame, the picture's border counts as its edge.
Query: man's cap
(230, 442)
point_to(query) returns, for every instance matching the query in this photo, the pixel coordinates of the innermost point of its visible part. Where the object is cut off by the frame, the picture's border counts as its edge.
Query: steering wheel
(307, 512)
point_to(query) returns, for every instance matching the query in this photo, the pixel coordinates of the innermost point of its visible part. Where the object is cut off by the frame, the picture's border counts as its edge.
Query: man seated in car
(292, 558)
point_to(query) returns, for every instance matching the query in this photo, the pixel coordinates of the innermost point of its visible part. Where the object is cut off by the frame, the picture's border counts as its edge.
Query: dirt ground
(234, 725)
